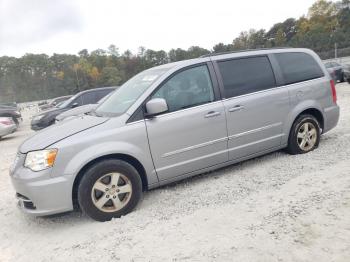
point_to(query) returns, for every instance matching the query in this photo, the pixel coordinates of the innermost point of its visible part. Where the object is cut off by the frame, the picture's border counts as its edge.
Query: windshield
(128, 93)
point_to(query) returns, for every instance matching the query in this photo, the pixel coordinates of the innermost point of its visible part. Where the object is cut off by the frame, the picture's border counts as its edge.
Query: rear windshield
(298, 67)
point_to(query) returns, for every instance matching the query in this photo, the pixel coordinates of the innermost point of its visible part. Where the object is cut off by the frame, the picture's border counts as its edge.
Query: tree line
(39, 76)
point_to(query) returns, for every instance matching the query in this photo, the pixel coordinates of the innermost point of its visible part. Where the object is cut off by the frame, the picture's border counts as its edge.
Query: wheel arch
(125, 157)
(314, 111)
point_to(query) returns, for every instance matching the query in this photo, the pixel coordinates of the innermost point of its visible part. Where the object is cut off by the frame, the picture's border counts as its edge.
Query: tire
(295, 142)
(105, 204)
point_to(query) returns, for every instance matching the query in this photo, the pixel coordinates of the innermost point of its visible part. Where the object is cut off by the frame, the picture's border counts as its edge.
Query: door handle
(236, 108)
(212, 114)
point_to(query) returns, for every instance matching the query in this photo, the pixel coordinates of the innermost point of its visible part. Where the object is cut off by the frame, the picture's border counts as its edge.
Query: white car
(7, 126)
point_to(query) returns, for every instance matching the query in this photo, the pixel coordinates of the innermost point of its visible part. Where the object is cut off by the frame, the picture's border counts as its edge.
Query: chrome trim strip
(254, 130)
(179, 151)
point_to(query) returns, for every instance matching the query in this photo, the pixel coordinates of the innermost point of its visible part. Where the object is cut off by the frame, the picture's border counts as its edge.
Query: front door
(192, 135)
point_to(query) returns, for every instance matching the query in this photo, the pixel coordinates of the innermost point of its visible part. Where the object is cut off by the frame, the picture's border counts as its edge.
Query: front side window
(89, 98)
(246, 75)
(187, 88)
(101, 94)
(298, 67)
(78, 101)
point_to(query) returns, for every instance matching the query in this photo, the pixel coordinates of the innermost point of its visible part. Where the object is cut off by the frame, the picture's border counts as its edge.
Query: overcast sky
(68, 26)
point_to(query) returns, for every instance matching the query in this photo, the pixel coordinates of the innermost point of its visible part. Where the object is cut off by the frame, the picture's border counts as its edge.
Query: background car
(47, 118)
(11, 112)
(11, 104)
(347, 73)
(336, 70)
(7, 126)
(80, 110)
(54, 102)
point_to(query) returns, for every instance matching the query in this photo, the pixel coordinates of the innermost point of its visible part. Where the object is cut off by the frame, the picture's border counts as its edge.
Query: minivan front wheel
(111, 188)
(304, 135)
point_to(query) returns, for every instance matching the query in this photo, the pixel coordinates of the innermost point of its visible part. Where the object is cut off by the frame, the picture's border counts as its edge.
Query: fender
(74, 153)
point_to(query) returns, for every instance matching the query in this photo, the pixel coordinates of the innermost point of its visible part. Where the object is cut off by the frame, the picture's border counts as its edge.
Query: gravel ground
(273, 208)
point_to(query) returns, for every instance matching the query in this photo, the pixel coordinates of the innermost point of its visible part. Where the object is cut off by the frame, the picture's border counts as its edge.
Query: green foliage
(38, 76)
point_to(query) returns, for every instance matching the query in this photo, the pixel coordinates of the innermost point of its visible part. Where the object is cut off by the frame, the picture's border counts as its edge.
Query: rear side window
(298, 67)
(246, 75)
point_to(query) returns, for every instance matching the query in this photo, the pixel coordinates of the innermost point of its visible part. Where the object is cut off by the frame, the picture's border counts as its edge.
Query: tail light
(334, 92)
(6, 122)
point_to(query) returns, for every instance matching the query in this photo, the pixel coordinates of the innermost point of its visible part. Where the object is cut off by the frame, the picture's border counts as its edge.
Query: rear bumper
(331, 117)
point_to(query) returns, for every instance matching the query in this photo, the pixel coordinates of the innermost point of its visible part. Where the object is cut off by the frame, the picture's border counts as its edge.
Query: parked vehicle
(80, 110)
(175, 121)
(11, 112)
(41, 103)
(75, 112)
(336, 71)
(47, 118)
(7, 126)
(11, 104)
(347, 73)
(53, 103)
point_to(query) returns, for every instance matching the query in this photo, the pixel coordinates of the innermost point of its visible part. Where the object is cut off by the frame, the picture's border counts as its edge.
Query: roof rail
(243, 50)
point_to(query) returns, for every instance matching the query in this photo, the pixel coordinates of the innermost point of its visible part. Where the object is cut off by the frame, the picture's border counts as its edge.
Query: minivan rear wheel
(304, 135)
(111, 188)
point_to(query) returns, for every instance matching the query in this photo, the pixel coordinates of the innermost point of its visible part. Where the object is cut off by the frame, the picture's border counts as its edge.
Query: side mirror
(156, 106)
(74, 105)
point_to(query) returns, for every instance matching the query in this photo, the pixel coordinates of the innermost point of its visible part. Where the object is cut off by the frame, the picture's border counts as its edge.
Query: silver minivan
(175, 121)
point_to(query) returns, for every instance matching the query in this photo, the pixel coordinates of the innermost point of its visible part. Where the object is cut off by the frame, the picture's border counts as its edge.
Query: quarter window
(246, 75)
(187, 88)
(298, 67)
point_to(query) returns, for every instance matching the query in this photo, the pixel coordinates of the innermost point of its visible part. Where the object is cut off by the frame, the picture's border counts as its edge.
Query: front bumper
(39, 193)
(36, 125)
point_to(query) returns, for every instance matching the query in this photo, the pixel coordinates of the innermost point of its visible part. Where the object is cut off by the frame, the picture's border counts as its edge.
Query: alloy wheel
(307, 136)
(111, 192)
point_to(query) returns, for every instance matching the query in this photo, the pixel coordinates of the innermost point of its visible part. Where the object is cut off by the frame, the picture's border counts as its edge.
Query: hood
(76, 111)
(57, 132)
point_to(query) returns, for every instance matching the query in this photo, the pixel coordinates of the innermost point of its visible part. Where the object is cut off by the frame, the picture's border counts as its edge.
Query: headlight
(37, 118)
(40, 160)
